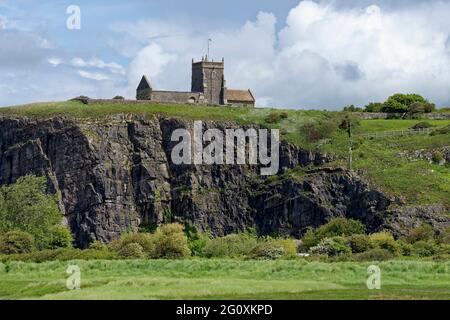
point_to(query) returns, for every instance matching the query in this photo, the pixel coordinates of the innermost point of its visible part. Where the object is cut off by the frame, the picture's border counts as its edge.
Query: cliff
(114, 174)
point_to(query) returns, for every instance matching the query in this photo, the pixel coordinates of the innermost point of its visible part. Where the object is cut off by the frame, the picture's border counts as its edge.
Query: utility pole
(350, 155)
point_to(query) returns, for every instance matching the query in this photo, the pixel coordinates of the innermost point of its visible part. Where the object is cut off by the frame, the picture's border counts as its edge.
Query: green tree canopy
(400, 102)
(25, 206)
(374, 107)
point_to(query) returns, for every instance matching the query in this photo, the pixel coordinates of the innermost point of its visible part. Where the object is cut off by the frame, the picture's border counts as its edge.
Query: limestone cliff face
(115, 174)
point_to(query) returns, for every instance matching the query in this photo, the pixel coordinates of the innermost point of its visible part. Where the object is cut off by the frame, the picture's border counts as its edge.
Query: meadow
(225, 279)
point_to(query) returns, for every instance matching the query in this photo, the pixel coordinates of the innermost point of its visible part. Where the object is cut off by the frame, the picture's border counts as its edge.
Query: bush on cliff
(231, 246)
(444, 236)
(424, 232)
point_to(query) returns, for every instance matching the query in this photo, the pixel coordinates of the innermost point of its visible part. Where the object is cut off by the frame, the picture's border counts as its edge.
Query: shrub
(233, 245)
(373, 107)
(444, 130)
(349, 122)
(422, 125)
(170, 242)
(118, 98)
(341, 227)
(58, 237)
(145, 240)
(315, 131)
(415, 109)
(385, 240)
(289, 247)
(443, 249)
(98, 245)
(331, 247)
(131, 251)
(272, 249)
(374, 255)
(276, 117)
(424, 232)
(424, 248)
(63, 254)
(352, 108)
(430, 107)
(437, 157)
(267, 250)
(405, 248)
(83, 99)
(16, 242)
(310, 239)
(197, 240)
(444, 236)
(359, 243)
(336, 227)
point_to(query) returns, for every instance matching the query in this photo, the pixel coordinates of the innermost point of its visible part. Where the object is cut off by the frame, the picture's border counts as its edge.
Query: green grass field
(225, 279)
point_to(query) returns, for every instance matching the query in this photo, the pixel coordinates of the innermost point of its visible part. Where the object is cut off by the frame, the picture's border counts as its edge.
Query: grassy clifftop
(382, 161)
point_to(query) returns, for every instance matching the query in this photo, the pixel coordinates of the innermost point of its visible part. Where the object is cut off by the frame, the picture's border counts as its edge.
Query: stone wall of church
(178, 97)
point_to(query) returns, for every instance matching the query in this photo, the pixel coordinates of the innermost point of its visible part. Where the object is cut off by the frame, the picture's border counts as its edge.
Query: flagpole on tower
(209, 41)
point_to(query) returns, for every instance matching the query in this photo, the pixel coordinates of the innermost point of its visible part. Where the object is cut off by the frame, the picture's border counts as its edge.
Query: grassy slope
(225, 279)
(418, 182)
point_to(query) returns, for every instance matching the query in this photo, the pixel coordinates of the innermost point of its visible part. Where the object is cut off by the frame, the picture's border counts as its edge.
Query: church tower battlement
(208, 77)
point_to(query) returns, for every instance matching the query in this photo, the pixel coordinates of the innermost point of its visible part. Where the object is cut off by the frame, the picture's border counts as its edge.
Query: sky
(322, 54)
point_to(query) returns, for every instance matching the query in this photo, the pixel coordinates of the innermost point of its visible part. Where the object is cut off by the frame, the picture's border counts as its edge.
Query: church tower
(208, 77)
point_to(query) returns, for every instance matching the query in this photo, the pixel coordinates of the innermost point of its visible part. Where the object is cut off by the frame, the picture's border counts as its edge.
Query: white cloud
(54, 61)
(323, 57)
(93, 75)
(151, 60)
(99, 64)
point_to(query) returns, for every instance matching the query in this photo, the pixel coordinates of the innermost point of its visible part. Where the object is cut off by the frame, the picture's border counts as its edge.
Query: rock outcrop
(115, 174)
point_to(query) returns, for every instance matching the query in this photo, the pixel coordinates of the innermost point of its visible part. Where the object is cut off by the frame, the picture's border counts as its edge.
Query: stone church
(208, 87)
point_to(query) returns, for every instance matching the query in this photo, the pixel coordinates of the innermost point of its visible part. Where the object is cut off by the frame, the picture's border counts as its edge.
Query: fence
(397, 133)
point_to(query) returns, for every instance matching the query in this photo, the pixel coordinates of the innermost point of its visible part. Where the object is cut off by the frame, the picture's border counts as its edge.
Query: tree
(25, 206)
(352, 108)
(419, 107)
(399, 103)
(373, 107)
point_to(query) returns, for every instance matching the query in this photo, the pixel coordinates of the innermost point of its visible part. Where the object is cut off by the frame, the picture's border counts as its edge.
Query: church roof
(240, 95)
(144, 84)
